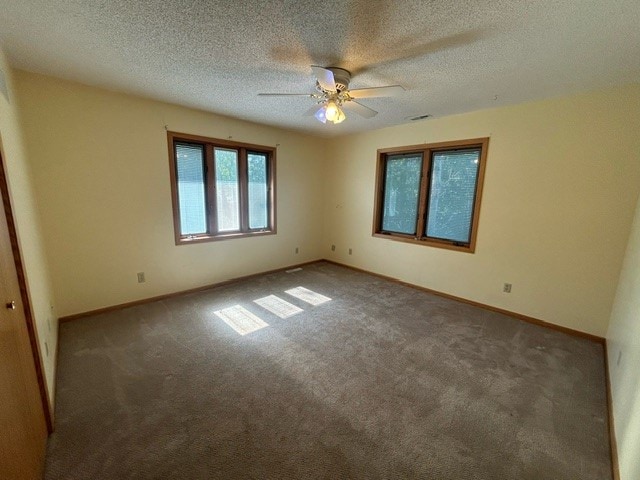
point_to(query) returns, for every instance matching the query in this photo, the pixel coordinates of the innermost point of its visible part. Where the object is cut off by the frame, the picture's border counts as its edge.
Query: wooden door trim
(24, 294)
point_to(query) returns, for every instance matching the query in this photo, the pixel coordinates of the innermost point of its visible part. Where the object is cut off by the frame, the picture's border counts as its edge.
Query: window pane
(258, 206)
(452, 194)
(191, 188)
(227, 193)
(401, 187)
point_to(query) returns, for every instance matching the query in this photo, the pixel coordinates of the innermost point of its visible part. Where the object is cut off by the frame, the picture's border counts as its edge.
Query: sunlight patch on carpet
(241, 319)
(307, 295)
(278, 306)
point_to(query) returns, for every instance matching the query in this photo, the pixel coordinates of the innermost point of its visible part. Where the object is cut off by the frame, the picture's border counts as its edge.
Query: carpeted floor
(382, 381)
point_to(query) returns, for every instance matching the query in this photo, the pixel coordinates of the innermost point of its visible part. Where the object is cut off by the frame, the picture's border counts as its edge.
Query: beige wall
(562, 180)
(561, 183)
(623, 340)
(101, 171)
(27, 220)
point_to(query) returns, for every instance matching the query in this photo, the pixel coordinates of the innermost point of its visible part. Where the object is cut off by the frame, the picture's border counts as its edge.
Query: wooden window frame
(427, 151)
(243, 149)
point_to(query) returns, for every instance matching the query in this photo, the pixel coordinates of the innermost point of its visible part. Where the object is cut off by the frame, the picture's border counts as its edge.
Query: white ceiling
(451, 56)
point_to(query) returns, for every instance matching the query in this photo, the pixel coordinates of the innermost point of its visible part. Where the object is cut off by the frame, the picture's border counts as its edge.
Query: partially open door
(23, 429)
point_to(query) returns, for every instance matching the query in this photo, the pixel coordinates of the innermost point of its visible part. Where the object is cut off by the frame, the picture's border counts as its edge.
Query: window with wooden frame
(221, 189)
(430, 194)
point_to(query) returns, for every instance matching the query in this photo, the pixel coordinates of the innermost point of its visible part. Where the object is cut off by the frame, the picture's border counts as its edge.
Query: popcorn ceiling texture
(218, 55)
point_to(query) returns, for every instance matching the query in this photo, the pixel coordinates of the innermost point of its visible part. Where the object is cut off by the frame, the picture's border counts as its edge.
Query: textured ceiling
(451, 56)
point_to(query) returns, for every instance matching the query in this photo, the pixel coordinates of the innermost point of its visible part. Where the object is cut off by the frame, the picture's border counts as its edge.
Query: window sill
(224, 236)
(426, 242)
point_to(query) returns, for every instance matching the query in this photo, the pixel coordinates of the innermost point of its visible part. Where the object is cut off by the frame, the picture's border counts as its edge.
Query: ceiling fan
(333, 94)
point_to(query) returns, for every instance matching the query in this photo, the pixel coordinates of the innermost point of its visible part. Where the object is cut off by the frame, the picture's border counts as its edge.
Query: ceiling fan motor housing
(342, 78)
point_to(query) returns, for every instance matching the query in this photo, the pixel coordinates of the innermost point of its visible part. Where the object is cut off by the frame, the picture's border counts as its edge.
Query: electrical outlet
(333, 248)
(350, 251)
(619, 358)
(141, 277)
(506, 288)
(297, 249)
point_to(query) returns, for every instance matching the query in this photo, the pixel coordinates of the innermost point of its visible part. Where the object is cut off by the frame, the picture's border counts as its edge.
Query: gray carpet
(382, 381)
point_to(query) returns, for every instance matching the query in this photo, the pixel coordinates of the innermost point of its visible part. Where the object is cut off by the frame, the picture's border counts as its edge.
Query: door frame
(24, 293)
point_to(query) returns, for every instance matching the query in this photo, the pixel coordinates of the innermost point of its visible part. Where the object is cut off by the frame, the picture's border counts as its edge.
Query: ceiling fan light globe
(339, 117)
(331, 111)
(321, 115)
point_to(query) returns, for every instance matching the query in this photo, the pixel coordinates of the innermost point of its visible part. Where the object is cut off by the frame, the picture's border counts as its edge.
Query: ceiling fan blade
(360, 109)
(388, 91)
(311, 111)
(285, 94)
(325, 78)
